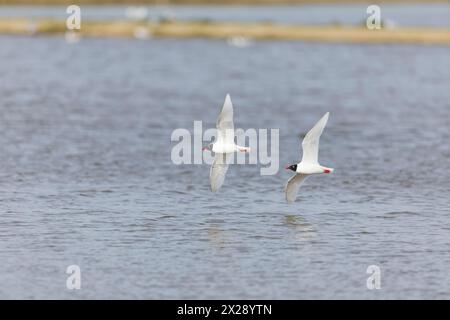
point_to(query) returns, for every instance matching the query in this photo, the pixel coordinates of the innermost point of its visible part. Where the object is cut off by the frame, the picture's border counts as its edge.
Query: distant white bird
(136, 13)
(239, 41)
(309, 164)
(224, 146)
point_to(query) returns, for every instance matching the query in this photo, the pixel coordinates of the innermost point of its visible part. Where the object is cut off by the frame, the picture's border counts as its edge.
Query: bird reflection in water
(304, 231)
(217, 236)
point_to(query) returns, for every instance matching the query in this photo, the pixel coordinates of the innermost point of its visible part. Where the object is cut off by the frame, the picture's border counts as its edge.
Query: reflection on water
(298, 223)
(217, 237)
(304, 231)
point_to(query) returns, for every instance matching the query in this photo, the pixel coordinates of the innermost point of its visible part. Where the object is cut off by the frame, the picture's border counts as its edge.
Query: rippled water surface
(86, 176)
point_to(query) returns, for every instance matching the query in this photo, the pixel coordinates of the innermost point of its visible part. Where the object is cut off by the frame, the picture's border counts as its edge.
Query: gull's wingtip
(324, 118)
(228, 102)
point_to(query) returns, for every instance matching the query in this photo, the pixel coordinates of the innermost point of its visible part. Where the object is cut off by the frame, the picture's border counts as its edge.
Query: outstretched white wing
(310, 143)
(293, 185)
(225, 125)
(218, 170)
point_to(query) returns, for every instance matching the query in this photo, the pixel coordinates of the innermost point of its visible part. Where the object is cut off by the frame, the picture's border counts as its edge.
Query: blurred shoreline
(230, 30)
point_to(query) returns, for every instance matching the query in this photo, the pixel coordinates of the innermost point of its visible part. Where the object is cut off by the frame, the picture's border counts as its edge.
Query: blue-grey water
(429, 14)
(86, 176)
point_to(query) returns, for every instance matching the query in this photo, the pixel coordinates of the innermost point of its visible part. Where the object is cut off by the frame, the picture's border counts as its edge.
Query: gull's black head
(208, 147)
(292, 167)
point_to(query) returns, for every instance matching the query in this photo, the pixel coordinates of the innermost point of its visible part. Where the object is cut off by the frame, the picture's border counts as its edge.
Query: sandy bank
(219, 30)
